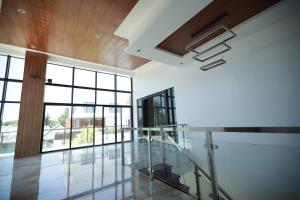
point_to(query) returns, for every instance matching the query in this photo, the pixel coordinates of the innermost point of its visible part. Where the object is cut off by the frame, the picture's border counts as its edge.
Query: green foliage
(10, 123)
(85, 136)
(62, 118)
(49, 122)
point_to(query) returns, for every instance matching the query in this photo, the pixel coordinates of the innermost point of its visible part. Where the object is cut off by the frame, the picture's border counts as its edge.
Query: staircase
(169, 165)
(164, 173)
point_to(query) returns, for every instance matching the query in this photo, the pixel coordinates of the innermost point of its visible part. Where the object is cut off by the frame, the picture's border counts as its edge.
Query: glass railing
(221, 163)
(157, 154)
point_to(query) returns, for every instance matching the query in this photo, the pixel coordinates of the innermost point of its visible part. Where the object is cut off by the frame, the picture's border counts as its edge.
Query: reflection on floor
(88, 173)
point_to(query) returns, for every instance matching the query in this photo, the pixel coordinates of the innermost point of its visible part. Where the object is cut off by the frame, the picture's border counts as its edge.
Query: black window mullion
(4, 90)
(42, 137)
(115, 76)
(72, 98)
(94, 127)
(131, 109)
(103, 118)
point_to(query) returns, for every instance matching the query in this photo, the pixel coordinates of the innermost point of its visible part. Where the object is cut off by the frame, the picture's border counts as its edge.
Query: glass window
(109, 125)
(58, 94)
(105, 81)
(13, 92)
(9, 128)
(16, 68)
(3, 60)
(57, 124)
(84, 78)
(119, 124)
(84, 96)
(91, 124)
(126, 122)
(59, 74)
(123, 83)
(123, 98)
(82, 127)
(105, 98)
(98, 125)
(123, 121)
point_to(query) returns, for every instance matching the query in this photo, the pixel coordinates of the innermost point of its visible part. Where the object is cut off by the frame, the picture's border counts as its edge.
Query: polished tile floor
(87, 173)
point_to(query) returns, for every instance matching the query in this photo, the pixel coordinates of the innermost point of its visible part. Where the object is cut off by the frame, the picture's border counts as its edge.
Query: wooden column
(31, 107)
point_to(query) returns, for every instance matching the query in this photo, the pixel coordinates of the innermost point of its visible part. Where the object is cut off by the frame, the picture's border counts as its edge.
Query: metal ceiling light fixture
(213, 64)
(215, 27)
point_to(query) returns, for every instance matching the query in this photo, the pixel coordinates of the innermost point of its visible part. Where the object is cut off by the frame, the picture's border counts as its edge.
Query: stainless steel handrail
(282, 129)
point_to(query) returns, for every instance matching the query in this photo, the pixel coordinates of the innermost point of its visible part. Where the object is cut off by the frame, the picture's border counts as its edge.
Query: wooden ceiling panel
(233, 11)
(81, 29)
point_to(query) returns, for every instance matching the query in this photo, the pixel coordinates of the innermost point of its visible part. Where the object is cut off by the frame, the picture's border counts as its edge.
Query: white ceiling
(150, 22)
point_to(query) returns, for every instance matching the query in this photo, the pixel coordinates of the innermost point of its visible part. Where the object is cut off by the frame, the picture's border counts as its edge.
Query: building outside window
(84, 108)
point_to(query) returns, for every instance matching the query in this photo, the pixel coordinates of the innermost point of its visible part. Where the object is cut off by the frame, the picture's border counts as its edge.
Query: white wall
(259, 86)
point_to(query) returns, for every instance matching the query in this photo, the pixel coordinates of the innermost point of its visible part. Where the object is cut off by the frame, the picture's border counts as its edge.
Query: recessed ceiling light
(21, 11)
(32, 46)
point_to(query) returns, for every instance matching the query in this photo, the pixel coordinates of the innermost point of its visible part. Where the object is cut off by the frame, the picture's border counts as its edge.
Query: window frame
(94, 105)
(7, 80)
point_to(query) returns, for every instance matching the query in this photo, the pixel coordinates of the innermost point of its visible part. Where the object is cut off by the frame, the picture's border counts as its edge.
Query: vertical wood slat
(31, 107)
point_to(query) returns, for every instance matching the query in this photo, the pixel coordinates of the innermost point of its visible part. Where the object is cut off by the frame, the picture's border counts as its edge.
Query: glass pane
(3, 60)
(57, 124)
(13, 92)
(1, 89)
(9, 129)
(269, 162)
(123, 83)
(98, 125)
(124, 121)
(84, 96)
(83, 126)
(119, 124)
(106, 98)
(123, 98)
(84, 78)
(16, 68)
(59, 74)
(105, 81)
(109, 125)
(58, 94)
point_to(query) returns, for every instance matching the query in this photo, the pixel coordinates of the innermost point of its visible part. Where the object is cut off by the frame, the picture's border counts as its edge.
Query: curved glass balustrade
(220, 163)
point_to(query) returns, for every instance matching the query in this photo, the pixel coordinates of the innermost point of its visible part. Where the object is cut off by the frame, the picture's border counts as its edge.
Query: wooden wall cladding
(236, 11)
(80, 29)
(31, 107)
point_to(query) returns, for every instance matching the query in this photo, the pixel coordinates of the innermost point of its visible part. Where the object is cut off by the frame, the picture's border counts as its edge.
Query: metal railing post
(164, 145)
(122, 146)
(212, 166)
(197, 176)
(150, 169)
